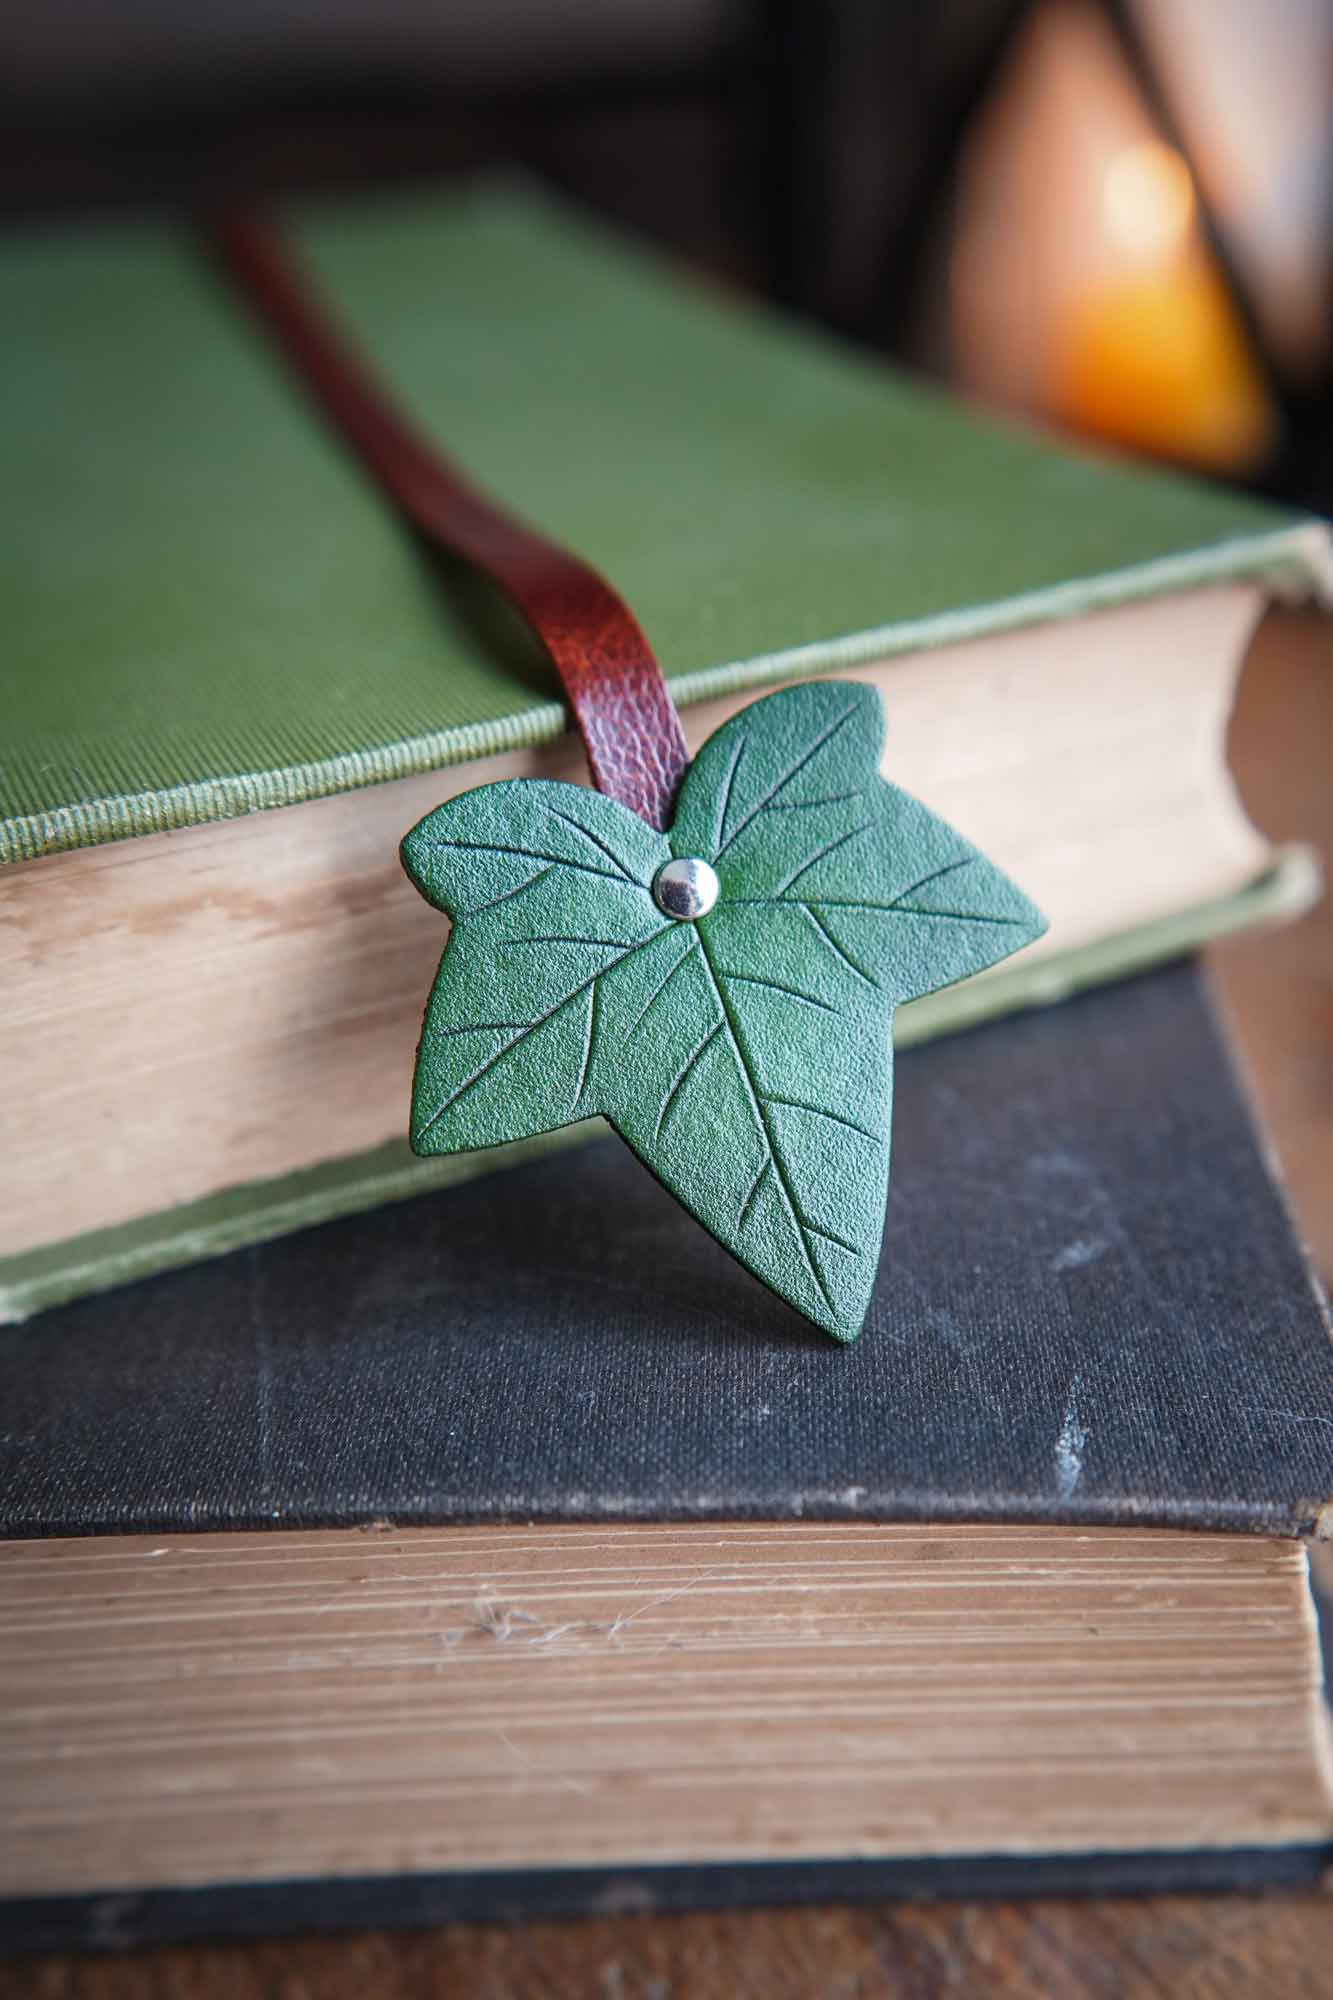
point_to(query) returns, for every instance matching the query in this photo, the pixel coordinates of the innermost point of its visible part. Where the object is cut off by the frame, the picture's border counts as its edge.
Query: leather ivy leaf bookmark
(708, 955)
(744, 1052)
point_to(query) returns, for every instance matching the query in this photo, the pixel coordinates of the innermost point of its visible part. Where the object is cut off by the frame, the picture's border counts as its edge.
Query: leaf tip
(1034, 921)
(413, 853)
(419, 1139)
(843, 1324)
(862, 700)
(424, 1131)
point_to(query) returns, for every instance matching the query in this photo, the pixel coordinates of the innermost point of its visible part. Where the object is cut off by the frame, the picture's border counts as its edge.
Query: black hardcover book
(1091, 1307)
(911, 1616)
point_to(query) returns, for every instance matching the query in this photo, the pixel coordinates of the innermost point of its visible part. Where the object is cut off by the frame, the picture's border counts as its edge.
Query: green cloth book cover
(209, 611)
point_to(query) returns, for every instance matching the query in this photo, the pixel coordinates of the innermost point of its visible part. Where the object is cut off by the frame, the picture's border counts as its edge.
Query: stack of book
(387, 1549)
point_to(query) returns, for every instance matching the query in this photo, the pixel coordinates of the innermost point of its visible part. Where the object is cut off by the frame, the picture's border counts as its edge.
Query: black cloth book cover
(1091, 1308)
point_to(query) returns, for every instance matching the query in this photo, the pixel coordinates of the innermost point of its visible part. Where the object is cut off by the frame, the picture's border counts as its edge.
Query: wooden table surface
(1278, 991)
(1159, 1948)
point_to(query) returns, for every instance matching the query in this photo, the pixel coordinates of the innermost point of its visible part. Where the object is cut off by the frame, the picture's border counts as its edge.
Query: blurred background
(1113, 217)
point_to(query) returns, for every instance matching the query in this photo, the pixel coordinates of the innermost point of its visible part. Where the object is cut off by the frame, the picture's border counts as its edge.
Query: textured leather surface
(628, 722)
(745, 1056)
(1092, 1308)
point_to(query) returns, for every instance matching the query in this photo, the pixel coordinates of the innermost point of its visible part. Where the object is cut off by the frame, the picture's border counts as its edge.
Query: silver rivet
(685, 889)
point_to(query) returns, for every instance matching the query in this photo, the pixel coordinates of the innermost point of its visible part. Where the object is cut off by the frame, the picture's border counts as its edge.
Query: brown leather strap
(625, 714)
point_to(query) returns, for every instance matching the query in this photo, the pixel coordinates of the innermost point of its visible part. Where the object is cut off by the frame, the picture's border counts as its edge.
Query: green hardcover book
(232, 682)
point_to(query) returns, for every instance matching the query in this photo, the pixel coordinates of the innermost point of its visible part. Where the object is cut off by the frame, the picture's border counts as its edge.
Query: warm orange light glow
(1158, 361)
(1148, 201)
(1083, 286)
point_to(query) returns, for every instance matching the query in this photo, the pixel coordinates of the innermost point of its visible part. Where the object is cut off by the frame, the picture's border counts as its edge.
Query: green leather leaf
(746, 1055)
